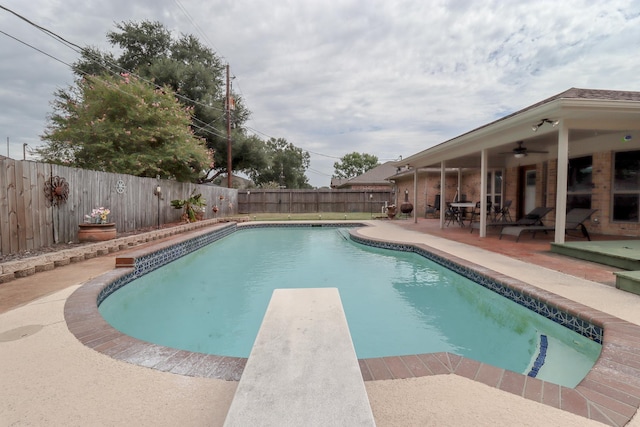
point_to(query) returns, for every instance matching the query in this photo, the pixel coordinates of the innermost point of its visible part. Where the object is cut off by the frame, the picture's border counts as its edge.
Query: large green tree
(286, 166)
(121, 124)
(197, 76)
(354, 164)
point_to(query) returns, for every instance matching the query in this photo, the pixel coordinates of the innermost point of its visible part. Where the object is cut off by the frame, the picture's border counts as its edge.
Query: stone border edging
(12, 270)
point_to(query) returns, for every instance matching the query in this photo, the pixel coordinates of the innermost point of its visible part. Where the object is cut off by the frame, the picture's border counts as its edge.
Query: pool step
(344, 233)
(303, 369)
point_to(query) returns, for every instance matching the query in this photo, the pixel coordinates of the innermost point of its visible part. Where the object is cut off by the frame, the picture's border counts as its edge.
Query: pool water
(396, 303)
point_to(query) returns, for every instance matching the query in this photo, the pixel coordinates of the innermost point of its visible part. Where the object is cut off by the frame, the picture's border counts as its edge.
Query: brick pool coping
(610, 392)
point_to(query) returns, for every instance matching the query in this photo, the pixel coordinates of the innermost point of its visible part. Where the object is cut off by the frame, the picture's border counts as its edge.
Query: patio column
(415, 195)
(561, 182)
(443, 193)
(483, 193)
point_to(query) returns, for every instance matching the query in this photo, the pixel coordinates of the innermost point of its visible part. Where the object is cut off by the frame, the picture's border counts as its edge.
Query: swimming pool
(398, 302)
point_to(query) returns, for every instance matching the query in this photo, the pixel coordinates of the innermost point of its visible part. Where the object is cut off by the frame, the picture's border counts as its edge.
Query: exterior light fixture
(158, 192)
(553, 123)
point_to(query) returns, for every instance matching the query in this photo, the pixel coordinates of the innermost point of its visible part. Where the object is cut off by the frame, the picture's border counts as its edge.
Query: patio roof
(584, 113)
(567, 123)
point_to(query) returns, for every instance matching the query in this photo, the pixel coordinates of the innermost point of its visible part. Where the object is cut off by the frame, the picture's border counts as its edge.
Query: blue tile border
(574, 323)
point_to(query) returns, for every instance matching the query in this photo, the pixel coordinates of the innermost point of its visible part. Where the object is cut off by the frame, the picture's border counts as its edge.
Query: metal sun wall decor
(56, 190)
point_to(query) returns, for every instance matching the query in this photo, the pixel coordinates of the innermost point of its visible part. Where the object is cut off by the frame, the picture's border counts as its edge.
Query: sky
(383, 77)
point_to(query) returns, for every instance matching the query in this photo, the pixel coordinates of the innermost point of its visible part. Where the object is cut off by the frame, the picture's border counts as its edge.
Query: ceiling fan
(520, 151)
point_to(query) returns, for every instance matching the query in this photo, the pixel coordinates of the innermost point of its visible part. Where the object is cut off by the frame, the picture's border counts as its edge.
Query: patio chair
(574, 221)
(433, 209)
(452, 214)
(531, 219)
(475, 213)
(502, 213)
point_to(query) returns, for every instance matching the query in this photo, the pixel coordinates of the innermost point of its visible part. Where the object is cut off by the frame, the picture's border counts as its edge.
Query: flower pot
(391, 211)
(96, 232)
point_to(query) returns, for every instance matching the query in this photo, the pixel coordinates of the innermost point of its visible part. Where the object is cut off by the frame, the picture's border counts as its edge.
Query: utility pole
(229, 172)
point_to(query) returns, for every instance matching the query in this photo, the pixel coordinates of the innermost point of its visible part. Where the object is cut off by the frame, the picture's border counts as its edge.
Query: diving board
(302, 370)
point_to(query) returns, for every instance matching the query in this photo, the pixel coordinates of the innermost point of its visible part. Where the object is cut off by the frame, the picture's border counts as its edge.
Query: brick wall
(546, 174)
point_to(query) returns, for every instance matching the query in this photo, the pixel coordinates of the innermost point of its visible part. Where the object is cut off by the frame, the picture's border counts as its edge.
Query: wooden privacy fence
(30, 220)
(312, 201)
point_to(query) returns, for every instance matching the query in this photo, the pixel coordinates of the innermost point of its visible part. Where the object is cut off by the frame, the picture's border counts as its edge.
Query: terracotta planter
(96, 232)
(391, 212)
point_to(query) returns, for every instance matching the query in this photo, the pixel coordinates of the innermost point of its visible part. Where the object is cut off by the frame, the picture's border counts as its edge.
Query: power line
(318, 172)
(205, 127)
(196, 26)
(204, 36)
(78, 49)
(35, 48)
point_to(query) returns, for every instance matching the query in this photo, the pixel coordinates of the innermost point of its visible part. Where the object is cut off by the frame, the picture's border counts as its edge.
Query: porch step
(628, 281)
(302, 370)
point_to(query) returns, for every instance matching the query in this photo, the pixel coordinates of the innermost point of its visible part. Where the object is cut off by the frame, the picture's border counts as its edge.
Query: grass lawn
(335, 216)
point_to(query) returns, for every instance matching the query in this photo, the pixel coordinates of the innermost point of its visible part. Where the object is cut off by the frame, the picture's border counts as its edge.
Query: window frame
(625, 192)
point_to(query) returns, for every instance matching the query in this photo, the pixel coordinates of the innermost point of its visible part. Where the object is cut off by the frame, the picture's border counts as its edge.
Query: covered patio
(544, 137)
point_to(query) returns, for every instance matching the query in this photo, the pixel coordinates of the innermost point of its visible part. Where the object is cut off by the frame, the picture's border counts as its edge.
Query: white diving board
(303, 369)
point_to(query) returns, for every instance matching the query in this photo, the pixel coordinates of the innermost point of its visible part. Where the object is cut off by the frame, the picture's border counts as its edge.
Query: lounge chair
(532, 218)
(574, 221)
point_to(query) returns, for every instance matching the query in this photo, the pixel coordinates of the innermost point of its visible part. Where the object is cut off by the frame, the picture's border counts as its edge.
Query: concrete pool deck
(55, 380)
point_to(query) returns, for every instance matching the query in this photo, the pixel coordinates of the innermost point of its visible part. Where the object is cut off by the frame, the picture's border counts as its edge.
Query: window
(626, 186)
(494, 187)
(579, 184)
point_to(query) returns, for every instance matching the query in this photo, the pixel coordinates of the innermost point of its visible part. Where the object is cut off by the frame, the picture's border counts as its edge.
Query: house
(373, 179)
(579, 148)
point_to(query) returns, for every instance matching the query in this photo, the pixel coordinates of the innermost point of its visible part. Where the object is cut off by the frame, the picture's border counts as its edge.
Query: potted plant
(193, 207)
(392, 211)
(96, 226)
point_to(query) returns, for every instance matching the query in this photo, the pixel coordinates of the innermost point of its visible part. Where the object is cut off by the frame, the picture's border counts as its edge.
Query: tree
(354, 164)
(121, 124)
(196, 75)
(286, 165)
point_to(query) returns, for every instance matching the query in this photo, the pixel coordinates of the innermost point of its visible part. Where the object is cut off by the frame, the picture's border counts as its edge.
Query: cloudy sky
(383, 77)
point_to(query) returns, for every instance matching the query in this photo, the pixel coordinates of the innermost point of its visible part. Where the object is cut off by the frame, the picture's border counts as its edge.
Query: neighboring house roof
(375, 176)
(337, 182)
